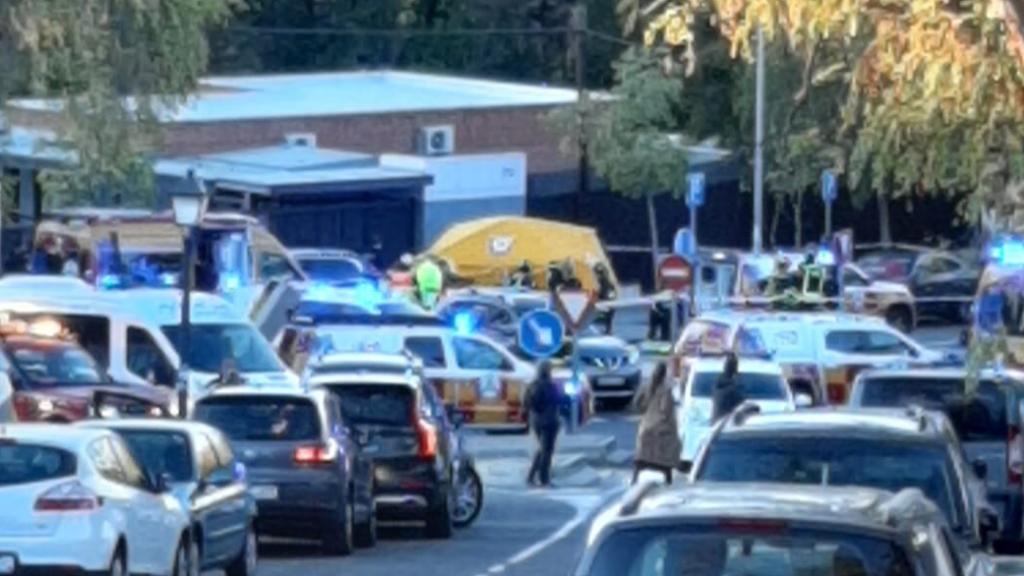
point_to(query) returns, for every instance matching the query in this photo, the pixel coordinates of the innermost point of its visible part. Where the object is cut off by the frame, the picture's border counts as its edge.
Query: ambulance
(136, 334)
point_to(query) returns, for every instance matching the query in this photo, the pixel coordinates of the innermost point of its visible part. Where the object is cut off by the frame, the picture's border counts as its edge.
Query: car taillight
(317, 454)
(836, 393)
(67, 497)
(1014, 456)
(427, 436)
(24, 407)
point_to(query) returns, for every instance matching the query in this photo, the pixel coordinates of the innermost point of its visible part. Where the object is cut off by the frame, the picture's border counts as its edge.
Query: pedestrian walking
(658, 444)
(543, 399)
(727, 395)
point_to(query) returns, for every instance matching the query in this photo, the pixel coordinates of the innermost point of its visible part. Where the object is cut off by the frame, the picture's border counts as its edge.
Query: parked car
(74, 499)
(986, 417)
(942, 283)
(203, 474)
(412, 460)
(886, 449)
(466, 482)
(773, 530)
(760, 382)
(334, 266)
(55, 380)
(306, 470)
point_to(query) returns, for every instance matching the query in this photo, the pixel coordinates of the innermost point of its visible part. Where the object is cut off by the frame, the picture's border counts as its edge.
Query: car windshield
(753, 386)
(331, 270)
(161, 453)
(212, 344)
(26, 463)
(889, 265)
(746, 548)
(54, 364)
(838, 461)
(375, 404)
(261, 418)
(979, 416)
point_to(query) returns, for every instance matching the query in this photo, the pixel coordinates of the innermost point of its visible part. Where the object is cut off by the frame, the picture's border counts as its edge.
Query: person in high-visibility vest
(429, 283)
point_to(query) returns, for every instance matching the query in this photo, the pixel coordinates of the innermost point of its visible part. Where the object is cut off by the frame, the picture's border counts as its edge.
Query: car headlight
(633, 354)
(571, 387)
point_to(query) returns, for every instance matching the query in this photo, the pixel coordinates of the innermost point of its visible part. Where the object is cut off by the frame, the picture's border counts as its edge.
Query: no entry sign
(675, 273)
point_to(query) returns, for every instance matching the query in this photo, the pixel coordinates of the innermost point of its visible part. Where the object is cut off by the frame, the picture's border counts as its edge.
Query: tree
(118, 66)
(629, 135)
(934, 89)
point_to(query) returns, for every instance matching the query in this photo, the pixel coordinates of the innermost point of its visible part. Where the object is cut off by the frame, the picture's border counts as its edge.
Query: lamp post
(189, 203)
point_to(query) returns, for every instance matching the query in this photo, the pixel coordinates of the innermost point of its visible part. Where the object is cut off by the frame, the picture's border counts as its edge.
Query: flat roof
(341, 93)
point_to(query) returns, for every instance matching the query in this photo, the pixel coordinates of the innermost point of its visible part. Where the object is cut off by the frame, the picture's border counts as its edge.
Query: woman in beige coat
(658, 444)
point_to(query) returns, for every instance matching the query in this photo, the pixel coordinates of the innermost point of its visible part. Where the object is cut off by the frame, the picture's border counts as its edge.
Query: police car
(136, 334)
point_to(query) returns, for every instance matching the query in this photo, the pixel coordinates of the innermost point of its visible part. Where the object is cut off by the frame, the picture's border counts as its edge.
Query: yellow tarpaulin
(487, 251)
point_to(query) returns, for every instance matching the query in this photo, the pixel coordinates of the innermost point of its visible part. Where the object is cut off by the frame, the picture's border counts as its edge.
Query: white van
(135, 333)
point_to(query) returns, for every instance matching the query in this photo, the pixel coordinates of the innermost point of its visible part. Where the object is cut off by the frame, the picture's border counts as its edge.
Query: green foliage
(628, 135)
(94, 54)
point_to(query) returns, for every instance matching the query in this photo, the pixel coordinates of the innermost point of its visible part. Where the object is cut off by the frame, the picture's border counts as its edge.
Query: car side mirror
(980, 468)
(220, 478)
(803, 400)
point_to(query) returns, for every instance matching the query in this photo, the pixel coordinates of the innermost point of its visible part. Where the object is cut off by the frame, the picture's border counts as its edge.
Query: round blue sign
(541, 333)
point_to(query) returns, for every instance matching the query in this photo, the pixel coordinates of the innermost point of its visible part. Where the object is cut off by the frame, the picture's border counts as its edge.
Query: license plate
(611, 381)
(264, 492)
(7, 564)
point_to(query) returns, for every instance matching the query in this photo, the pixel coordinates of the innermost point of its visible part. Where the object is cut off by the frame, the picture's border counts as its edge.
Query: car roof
(155, 424)
(70, 438)
(324, 253)
(734, 317)
(844, 507)
(746, 365)
(950, 372)
(908, 424)
(360, 378)
(348, 358)
(251, 390)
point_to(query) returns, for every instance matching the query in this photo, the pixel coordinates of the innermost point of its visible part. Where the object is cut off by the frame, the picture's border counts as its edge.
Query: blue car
(197, 462)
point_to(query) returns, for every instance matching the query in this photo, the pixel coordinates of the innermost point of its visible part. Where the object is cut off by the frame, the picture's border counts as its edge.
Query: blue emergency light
(464, 323)
(230, 281)
(109, 281)
(1008, 252)
(825, 257)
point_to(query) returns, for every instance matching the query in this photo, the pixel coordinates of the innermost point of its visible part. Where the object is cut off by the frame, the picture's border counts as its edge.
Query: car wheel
(366, 532)
(469, 499)
(186, 559)
(119, 564)
(900, 318)
(337, 538)
(439, 520)
(245, 564)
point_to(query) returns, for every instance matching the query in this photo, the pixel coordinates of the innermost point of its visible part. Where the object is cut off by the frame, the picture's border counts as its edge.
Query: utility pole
(758, 146)
(578, 56)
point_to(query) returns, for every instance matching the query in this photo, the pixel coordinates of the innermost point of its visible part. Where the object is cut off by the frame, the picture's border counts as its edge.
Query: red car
(56, 380)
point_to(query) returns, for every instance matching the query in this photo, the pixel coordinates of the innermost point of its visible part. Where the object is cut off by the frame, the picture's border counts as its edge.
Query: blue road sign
(695, 193)
(541, 333)
(683, 243)
(829, 186)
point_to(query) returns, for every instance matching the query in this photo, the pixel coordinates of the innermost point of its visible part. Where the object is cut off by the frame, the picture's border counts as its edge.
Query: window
(376, 405)
(225, 455)
(52, 365)
(212, 344)
(331, 269)
(275, 266)
(476, 355)
(103, 458)
(876, 343)
(752, 386)
(852, 279)
(27, 463)
(261, 418)
(92, 332)
(133, 474)
(428, 349)
(205, 456)
(161, 453)
(146, 360)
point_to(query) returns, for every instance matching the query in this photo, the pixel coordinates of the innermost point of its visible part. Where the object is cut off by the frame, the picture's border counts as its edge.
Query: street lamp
(189, 204)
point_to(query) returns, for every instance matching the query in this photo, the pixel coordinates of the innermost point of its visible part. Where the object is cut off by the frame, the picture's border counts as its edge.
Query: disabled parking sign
(541, 333)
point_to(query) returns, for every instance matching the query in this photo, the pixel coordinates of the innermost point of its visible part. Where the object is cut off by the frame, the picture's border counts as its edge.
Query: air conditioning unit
(306, 139)
(437, 140)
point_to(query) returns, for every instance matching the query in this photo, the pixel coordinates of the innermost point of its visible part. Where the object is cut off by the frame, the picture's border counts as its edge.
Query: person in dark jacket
(543, 399)
(727, 395)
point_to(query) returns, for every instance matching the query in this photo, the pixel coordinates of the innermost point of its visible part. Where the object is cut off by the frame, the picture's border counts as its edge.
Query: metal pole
(185, 338)
(758, 146)
(696, 261)
(574, 400)
(578, 45)
(828, 219)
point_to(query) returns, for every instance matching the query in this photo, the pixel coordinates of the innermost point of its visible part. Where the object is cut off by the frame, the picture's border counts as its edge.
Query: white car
(761, 381)
(76, 498)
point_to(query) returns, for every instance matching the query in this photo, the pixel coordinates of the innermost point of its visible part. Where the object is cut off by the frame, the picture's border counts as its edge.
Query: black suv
(883, 449)
(306, 471)
(772, 530)
(393, 421)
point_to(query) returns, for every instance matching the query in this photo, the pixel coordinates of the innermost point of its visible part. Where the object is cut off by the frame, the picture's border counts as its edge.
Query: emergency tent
(488, 251)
